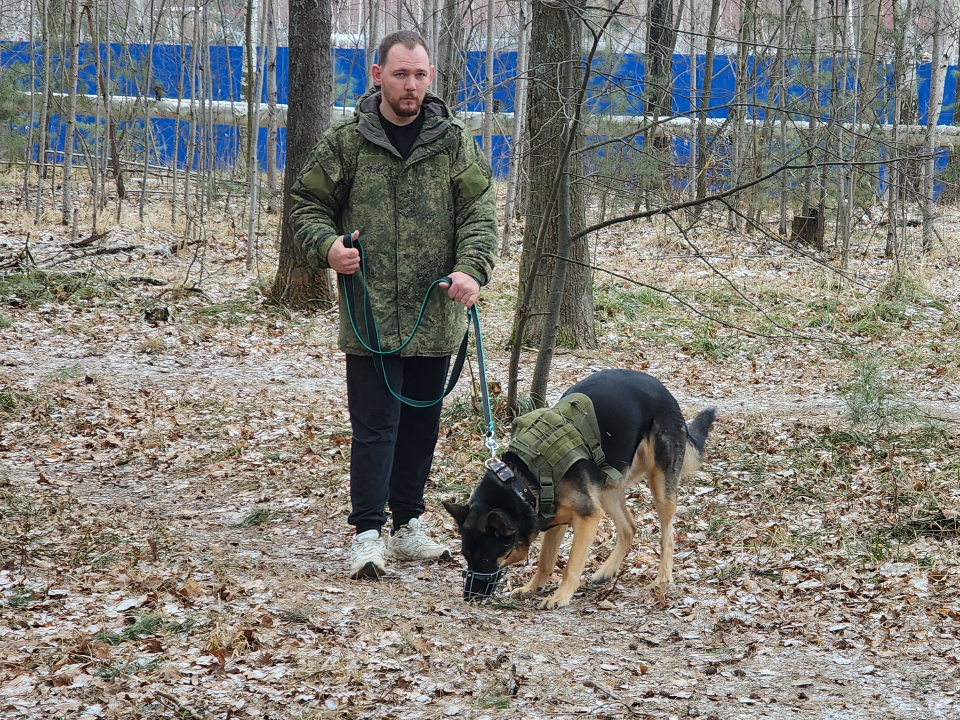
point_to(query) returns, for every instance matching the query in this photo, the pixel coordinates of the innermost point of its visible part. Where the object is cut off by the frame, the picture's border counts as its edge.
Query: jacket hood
(436, 118)
(433, 106)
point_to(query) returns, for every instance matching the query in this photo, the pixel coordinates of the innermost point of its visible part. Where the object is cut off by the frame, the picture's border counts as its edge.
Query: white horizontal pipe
(228, 112)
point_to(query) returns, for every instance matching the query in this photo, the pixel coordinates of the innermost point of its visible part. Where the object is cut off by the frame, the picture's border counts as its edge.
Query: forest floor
(174, 494)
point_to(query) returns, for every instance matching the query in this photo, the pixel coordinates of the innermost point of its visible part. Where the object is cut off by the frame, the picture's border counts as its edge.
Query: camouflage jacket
(419, 220)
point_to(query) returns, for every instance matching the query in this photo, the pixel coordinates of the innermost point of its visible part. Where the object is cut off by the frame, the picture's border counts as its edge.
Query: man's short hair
(408, 38)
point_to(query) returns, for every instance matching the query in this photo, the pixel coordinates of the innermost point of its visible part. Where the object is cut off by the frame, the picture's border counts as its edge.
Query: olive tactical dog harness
(551, 440)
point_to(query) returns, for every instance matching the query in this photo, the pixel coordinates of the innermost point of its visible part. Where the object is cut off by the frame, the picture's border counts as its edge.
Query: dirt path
(174, 544)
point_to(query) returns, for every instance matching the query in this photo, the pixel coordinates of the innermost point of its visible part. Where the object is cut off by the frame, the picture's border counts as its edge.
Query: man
(406, 179)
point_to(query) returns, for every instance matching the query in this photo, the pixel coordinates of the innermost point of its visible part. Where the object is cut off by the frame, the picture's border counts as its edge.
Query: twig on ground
(176, 247)
(142, 279)
(98, 251)
(87, 240)
(182, 708)
(610, 587)
(184, 288)
(613, 696)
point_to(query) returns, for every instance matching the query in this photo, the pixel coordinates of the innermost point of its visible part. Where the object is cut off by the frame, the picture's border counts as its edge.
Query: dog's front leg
(547, 561)
(584, 534)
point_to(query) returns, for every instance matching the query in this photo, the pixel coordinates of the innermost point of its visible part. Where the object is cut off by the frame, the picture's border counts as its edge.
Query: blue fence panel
(616, 87)
(949, 94)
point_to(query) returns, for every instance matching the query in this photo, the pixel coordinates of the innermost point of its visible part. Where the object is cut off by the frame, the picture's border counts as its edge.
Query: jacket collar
(437, 119)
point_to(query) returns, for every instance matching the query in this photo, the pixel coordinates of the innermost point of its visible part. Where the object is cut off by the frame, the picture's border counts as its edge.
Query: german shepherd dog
(642, 432)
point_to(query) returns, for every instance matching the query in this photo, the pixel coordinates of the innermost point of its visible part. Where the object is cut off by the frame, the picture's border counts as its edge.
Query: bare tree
(374, 18)
(939, 59)
(273, 191)
(548, 114)
(72, 69)
(308, 115)
(449, 58)
(703, 152)
(46, 82)
(488, 82)
(903, 10)
(517, 144)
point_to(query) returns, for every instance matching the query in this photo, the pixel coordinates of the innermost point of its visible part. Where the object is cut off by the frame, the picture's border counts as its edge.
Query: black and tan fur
(643, 434)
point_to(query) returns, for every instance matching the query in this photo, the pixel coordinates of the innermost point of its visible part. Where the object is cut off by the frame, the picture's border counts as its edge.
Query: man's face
(403, 77)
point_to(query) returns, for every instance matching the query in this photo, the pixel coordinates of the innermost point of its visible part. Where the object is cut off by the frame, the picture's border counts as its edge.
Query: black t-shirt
(402, 137)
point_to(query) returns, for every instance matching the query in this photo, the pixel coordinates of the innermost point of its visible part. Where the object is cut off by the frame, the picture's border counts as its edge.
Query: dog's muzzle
(477, 586)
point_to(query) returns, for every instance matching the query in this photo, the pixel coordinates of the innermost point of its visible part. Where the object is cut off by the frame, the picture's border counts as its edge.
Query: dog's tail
(697, 431)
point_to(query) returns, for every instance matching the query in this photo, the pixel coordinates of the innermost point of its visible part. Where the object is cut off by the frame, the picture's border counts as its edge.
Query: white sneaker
(411, 542)
(366, 556)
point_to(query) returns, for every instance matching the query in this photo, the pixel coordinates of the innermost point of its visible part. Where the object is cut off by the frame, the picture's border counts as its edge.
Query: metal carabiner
(492, 446)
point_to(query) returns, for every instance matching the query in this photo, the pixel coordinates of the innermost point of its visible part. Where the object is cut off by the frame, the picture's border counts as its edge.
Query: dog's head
(494, 534)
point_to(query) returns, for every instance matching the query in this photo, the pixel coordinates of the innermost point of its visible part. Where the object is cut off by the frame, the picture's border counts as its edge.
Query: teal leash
(373, 343)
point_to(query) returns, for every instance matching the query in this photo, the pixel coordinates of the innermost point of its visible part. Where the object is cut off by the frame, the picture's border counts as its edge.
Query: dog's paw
(530, 588)
(601, 578)
(555, 601)
(662, 590)
(663, 581)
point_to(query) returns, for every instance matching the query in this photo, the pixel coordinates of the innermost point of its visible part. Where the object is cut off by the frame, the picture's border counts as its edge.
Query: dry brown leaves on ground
(173, 496)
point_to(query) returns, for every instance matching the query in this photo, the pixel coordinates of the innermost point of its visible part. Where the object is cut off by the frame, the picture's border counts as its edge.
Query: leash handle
(372, 344)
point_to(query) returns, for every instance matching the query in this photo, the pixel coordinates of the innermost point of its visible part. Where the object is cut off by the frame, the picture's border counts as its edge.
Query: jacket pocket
(470, 183)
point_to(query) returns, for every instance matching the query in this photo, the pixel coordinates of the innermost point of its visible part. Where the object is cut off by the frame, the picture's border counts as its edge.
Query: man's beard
(402, 111)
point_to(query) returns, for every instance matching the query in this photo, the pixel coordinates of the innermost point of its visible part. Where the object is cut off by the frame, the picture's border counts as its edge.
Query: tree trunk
(848, 174)
(308, 115)
(703, 154)
(661, 40)
(782, 85)
(938, 59)
(148, 85)
(516, 138)
(546, 118)
(431, 25)
(28, 154)
(894, 164)
(273, 189)
(71, 111)
(449, 60)
(550, 325)
(692, 94)
(46, 83)
(870, 31)
(374, 18)
(739, 111)
(814, 110)
(103, 81)
(488, 86)
(253, 133)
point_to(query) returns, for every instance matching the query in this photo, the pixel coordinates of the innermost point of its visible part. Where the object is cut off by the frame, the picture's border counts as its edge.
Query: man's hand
(464, 289)
(344, 260)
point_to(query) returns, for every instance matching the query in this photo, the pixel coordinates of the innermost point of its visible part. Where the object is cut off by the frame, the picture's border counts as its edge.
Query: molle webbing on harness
(551, 440)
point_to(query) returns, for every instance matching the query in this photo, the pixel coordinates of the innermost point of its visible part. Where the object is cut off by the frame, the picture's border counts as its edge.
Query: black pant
(393, 443)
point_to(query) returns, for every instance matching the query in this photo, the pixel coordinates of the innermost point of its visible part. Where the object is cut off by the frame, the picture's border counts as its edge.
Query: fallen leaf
(190, 589)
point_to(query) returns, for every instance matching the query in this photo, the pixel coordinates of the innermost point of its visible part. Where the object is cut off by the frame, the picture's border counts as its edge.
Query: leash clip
(492, 446)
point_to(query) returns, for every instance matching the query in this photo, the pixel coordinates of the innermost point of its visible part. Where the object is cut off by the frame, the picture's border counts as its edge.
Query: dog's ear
(501, 524)
(459, 512)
